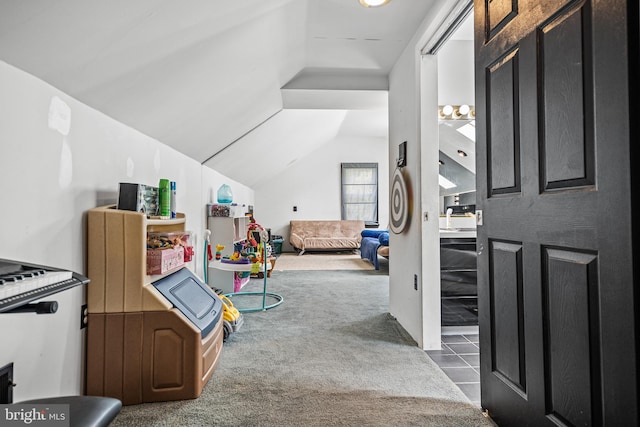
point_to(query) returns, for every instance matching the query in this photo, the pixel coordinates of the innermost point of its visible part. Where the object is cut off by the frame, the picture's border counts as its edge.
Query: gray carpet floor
(329, 355)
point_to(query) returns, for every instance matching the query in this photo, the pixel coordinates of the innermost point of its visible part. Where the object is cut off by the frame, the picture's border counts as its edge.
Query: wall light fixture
(454, 112)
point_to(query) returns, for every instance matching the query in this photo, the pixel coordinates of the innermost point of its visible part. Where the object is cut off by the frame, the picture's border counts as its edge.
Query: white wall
(455, 73)
(430, 201)
(312, 183)
(405, 255)
(413, 101)
(50, 180)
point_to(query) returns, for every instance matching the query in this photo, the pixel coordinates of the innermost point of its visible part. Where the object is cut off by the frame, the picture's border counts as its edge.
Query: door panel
(555, 273)
(571, 345)
(566, 139)
(507, 314)
(503, 144)
(499, 13)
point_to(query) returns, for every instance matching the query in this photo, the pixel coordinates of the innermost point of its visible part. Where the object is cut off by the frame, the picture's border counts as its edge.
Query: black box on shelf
(138, 197)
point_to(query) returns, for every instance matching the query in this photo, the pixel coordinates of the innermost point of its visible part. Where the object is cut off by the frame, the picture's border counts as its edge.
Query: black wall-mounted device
(402, 155)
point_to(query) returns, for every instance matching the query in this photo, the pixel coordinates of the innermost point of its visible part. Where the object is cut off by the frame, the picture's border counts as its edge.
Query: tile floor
(459, 358)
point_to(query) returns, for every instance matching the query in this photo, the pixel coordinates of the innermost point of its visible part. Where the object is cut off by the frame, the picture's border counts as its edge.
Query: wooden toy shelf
(140, 348)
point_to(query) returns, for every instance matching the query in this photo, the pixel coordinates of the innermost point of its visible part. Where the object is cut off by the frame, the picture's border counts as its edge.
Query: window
(360, 192)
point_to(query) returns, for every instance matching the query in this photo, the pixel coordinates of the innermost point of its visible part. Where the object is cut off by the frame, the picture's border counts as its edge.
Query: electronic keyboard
(22, 283)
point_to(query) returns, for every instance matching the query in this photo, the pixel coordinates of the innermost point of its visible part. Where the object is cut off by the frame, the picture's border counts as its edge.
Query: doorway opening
(459, 353)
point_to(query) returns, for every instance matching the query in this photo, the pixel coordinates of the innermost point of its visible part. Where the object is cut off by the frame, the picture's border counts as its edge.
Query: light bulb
(373, 3)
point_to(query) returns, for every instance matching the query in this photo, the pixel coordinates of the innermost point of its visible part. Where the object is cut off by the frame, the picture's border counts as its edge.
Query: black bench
(85, 411)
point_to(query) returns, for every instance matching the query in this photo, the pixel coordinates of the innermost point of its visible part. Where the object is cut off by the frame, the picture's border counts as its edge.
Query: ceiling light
(462, 153)
(468, 130)
(373, 3)
(445, 183)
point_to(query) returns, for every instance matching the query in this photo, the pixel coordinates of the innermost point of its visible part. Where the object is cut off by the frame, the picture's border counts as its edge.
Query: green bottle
(164, 198)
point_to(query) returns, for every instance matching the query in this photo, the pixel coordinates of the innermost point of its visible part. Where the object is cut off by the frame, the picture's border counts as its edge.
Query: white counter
(458, 233)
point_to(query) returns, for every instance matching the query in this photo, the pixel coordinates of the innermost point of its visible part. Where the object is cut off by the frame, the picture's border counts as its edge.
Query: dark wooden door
(555, 271)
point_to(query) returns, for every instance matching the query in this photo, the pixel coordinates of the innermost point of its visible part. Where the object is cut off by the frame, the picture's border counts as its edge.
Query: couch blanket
(374, 242)
(325, 234)
(369, 250)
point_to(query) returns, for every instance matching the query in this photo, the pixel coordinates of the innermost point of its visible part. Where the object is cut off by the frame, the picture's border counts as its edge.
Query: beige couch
(308, 235)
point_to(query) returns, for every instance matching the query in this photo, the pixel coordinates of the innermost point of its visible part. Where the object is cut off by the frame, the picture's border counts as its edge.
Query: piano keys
(22, 283)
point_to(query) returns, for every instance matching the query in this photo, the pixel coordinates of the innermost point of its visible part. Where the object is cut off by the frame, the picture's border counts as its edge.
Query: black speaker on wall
(402, 155)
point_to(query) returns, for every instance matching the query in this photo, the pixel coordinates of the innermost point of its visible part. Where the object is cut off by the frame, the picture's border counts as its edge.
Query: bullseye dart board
(399, 203)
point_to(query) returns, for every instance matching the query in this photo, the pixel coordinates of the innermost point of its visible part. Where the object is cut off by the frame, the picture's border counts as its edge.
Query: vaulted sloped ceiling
(203, 75)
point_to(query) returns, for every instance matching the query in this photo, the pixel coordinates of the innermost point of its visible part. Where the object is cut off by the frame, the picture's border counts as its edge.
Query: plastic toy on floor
(231, 317)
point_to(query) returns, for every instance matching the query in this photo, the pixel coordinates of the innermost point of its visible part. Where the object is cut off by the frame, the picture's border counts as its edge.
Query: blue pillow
(384, 238)
(372, 232)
